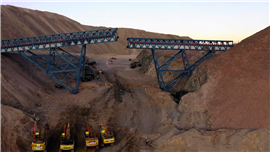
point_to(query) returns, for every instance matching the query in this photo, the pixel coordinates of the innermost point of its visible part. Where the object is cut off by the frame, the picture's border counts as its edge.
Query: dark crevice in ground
(178, 95)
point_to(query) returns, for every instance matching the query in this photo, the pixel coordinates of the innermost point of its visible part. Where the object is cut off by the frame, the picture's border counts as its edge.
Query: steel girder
(179, 44)
(62, 66)
(188, 69)
(59, 40)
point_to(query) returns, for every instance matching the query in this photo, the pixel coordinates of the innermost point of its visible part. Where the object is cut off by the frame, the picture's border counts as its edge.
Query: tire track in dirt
(119, 88)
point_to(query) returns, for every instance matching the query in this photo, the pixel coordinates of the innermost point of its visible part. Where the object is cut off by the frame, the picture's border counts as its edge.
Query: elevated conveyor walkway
(180, 45)
(65, 68)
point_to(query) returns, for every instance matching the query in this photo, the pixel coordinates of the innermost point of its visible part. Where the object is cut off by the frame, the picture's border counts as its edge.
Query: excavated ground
(131, 116)
(143, 111)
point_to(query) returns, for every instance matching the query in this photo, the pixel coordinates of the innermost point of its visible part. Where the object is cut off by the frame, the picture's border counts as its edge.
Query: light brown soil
(236, 94)
(239, 81)
(131, 116)
(144, 111)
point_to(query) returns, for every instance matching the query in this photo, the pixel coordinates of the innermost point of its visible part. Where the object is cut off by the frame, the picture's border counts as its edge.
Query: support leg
(159, 73)
(167, 63)
(81, 65)
(185, 60)
(175, 82)
(61, 66)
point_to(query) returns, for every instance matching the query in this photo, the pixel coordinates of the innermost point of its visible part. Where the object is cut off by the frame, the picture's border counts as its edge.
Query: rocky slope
(231, 88)
(15, 131)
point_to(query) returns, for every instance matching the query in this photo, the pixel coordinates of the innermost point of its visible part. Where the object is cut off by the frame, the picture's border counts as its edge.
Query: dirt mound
(236, 94)
(219, 140)
(15, 129)
(22, 82)
(239, 81)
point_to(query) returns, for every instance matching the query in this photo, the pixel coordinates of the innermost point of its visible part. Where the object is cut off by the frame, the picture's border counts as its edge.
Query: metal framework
(64, 67)
(178, 44)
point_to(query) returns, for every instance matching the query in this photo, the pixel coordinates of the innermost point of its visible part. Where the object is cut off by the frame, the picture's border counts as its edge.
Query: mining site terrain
(225, 108)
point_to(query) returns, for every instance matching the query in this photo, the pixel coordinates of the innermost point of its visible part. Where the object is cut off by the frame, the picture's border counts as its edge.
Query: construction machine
(138, 64)
(89, 75)
(67, 143)
(133, 65)
(92, 63)
(91, 139)
(39, 142)
(107, 137)
(100, 71)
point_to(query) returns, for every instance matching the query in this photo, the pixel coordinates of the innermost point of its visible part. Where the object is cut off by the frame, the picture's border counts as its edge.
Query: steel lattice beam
(177, 44)
(160, 70)
(59, 40)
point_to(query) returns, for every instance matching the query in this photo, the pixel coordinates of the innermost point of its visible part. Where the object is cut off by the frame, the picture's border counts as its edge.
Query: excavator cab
(37, 135)
(91, 139)
(100, 72)
(39, 140)
(86, 134)
(106, 136)
(67, 143)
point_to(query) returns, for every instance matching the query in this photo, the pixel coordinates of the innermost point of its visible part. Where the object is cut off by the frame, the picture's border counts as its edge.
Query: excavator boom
(67, 143)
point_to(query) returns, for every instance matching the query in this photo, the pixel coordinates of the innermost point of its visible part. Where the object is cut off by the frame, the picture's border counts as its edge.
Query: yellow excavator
(39, 142)
(106, 136)
(91, 139)
(100, 72)
(67, 143)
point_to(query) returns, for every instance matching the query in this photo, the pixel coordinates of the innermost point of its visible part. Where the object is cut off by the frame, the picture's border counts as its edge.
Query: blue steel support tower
(177, 44)
(65, 68)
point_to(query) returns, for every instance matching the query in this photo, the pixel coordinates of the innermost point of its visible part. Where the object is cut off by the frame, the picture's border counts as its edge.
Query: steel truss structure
(178, 44)
(65, 68)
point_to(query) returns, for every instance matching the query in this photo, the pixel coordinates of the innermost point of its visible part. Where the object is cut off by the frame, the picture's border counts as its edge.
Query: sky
(198, 20)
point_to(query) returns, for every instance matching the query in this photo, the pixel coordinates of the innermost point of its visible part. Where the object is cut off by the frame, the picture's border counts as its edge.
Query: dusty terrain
(131, 116)
(144, 111)
(226, 109)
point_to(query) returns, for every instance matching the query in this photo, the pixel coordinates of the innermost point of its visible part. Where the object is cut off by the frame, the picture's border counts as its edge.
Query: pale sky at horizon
(198, 20)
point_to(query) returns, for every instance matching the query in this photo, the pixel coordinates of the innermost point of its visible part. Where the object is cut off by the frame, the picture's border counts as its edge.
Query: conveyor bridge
(65, 68)
(181, 46)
